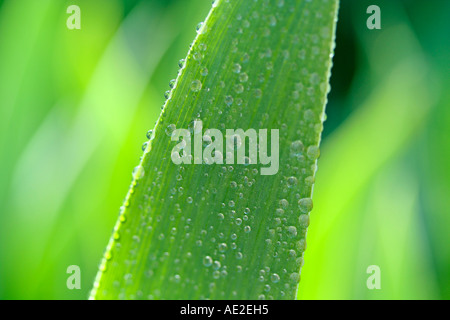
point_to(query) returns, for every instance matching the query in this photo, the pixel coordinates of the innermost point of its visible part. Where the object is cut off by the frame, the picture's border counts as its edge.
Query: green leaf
(227, 231)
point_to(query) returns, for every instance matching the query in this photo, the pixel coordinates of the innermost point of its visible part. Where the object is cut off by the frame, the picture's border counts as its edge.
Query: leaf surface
(227, 231)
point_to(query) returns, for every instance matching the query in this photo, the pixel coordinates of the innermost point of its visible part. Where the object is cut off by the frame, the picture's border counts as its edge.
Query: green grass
(227, 231)
(75, 107)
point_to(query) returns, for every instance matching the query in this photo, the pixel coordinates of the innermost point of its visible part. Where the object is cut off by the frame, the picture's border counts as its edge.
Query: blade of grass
(225, 231)
(372, 139)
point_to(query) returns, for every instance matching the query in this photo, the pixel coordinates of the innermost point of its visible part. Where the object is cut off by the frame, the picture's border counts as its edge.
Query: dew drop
(170, 129)
(237, 68)
(292, 231)
(201, 28)
(222, 247)
(229, 100)
(197, 56)
(167, 94)
(204, 72)
(196, 86)
(309, 180)
(309, 115)
(207, 261)
(216, 265)
(294, 277)
(243, 77)
(274, 278)
(297, 148)
(303, 219)
(138, 172)
(291, 181)
(239, 88)
(284, 203)
(305, 205)
(313, 152)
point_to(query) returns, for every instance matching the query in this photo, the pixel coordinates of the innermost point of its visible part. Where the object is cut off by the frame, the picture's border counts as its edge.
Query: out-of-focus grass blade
(226, 231)
(354, 211)
(67, 133)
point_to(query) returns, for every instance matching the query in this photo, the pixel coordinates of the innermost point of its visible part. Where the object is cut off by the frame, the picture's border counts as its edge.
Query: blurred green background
(75, 106)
